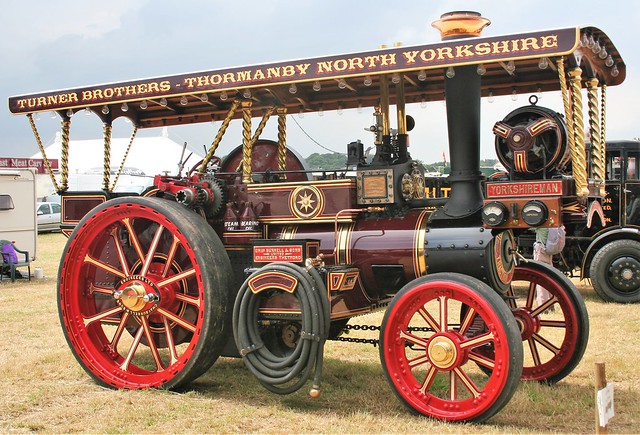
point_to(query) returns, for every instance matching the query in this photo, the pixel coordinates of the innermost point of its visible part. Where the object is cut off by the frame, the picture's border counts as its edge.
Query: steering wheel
(215, 160)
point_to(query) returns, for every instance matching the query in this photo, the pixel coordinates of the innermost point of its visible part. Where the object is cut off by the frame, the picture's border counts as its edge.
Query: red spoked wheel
(554, 333)
(429, 342)
(143, 294)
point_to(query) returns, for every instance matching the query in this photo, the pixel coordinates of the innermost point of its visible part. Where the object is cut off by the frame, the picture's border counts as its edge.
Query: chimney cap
(460, 24)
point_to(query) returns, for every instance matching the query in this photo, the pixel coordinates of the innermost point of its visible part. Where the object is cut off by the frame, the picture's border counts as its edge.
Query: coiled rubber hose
(275, 371)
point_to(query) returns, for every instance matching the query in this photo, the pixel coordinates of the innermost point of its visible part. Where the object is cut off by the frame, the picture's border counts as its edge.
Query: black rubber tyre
(615, 272)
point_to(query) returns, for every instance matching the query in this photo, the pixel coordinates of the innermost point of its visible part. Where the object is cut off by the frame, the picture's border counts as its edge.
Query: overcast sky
(48, 45)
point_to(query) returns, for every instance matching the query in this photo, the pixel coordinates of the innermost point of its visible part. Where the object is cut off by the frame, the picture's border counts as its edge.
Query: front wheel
(143, 294)
(431, 339)
(615, 271)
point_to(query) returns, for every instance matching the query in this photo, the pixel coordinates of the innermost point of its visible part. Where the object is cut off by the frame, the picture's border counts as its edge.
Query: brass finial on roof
(460, 24)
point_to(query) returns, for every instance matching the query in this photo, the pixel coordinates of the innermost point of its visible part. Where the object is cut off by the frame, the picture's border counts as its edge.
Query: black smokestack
(462, 95)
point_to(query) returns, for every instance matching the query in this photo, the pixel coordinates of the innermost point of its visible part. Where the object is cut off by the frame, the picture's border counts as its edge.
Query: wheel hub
(527, 324)
(625, 274)
(290, 335)
(137, 295)
(442, 352)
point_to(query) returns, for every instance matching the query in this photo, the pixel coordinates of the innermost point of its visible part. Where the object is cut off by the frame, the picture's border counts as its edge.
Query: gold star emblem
(306, 202)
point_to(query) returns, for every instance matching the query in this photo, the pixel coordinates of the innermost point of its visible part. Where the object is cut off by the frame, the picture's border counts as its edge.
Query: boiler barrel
(390, 252)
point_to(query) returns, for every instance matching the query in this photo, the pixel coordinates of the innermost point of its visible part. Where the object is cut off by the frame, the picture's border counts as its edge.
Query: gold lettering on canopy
(385, 60)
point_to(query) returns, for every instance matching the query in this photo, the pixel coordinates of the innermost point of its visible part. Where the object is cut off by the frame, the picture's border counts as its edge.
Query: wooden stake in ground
(604, 399)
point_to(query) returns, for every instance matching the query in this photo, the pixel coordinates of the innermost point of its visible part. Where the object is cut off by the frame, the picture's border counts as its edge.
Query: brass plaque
(375, 186)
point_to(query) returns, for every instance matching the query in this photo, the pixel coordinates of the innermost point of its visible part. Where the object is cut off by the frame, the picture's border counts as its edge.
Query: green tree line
(339, 160)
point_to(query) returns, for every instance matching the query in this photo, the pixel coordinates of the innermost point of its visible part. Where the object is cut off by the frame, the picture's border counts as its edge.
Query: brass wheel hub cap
(442, 352)
(132, 296)
(137, 295)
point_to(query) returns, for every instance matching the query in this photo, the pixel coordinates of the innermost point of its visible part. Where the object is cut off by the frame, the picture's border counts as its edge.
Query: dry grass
(45, 390)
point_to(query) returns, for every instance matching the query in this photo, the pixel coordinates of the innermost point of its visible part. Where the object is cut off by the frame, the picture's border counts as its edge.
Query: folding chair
(9, 264)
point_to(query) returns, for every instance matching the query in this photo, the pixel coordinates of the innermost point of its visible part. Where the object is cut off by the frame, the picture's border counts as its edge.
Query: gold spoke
(104, 266)
(468, 319)
(485, 338)
(103, 315)
(174, 278)
(429, 319)
(542, 308)
(453, 386)
(173, 353)
(511, 300)
(415, 340)
(534, 352)
(466, 381)
(152, 250)
(546, 343)
(482, 360)
(132, 350)
(418, 361)
(531, 294)
(100, 290)
(151, 343)
(444, 304)
(120, 251)
(121, 328)
(553, 323)
(428, 380)
(133, 238)
(188, 299)
(171, 255)
(180, 321)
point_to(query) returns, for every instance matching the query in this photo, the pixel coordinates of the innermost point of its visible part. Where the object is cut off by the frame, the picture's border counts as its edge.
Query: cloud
(69, 43)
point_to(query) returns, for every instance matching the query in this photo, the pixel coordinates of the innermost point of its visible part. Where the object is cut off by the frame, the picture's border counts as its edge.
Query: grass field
(45, 390)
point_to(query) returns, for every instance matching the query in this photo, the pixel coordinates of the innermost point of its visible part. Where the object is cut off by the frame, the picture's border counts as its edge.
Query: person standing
(540, 254)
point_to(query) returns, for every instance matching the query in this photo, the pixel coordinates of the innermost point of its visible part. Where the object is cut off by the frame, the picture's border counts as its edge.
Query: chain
(374, 341)
(126, 153)
(47, 163)
(362, 327)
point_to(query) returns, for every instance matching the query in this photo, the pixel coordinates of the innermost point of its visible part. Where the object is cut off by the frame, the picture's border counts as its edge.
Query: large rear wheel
(143, 294)
(429, 343)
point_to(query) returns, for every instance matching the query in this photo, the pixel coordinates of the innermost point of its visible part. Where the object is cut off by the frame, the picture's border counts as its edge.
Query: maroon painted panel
(438, 55)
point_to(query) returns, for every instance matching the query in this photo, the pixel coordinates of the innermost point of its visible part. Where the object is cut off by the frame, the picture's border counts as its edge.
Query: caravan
(18, 208)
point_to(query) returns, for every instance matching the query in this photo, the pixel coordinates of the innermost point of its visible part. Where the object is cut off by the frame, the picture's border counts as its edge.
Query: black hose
(273, 371)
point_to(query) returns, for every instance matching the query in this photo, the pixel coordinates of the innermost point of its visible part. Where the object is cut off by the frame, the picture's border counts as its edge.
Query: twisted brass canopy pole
(218, 138)
(246, 141)
(106, 173)
(282, 138)
(64, 153)
(579, 159)
(566, 101)
(597, 158)
(603, 129)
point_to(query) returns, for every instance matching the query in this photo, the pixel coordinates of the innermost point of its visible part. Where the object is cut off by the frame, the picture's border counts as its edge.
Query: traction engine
(255, 256)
